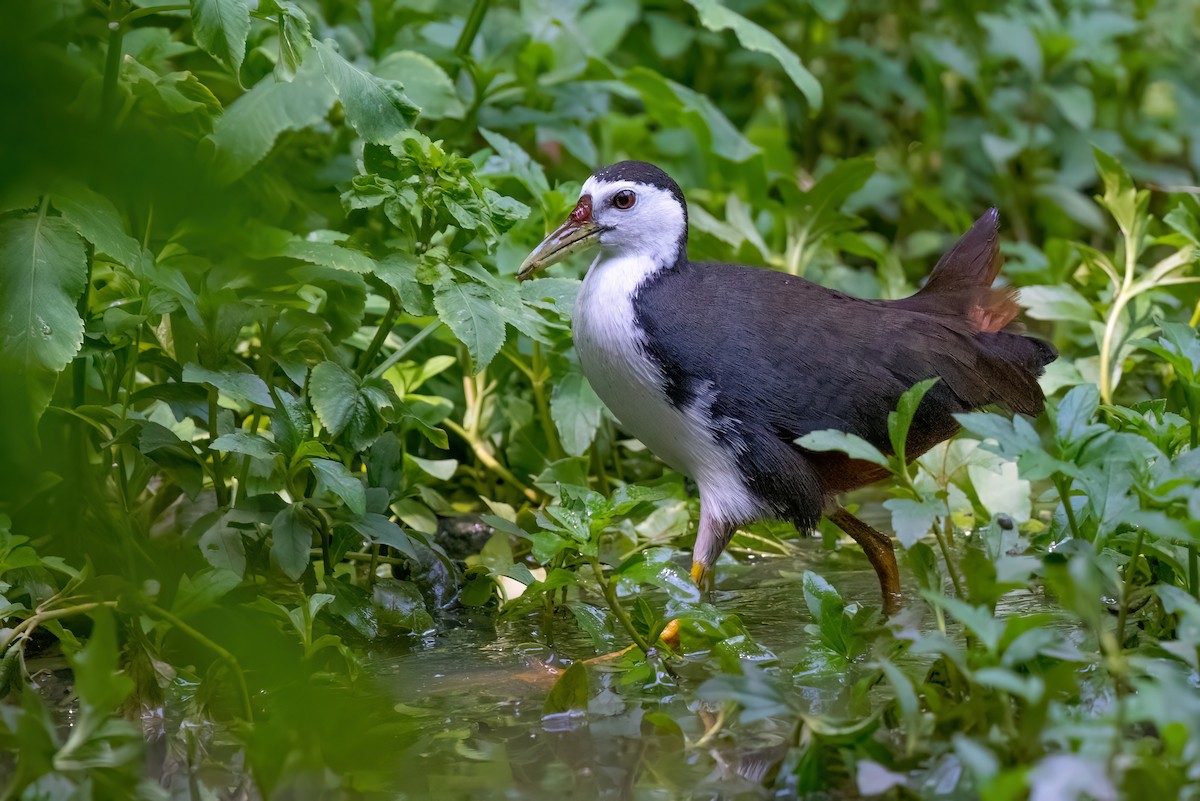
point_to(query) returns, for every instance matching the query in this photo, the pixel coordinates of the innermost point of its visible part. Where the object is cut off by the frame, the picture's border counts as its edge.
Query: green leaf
(576, 409)
(222, 547)
(295, 38)
(400, 604)
(96, 670)
(250, 125)
(912, 520)
(291, 540)
(240, 385)
(469, 312)
(852, 445)
(199, 592)
(43, 271)
(379, 528)
(514, 161)
(671, 103)
(900, 420)
(97, 220)
(1075, 412)
(245, 443)
(1014, 39)
(829, 611)
(569, 693)
(377, 108)
(221, 28)
(717, 17)
(1056, 303)
(333, 392)
(337, 479)
(425, 82)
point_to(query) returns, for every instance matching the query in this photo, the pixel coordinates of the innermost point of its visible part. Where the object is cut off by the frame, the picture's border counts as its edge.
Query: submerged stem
(614, 603)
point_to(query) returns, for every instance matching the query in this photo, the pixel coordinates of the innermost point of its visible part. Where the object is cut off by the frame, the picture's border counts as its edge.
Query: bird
(720, 368)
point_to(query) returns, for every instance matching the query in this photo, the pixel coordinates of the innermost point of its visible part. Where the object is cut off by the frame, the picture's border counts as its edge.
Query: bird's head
(631, 209)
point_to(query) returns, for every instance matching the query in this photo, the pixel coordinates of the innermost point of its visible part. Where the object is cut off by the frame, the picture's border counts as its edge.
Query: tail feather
(961, 282)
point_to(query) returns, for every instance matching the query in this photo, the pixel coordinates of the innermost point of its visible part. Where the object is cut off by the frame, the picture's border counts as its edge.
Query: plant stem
(26, 626)
(614, 603)
(218, 477)
(145, 12)
(219, 486)
(1194, 571)
(1110, 329)
(1124, 611)
(484, 455)
(112, 62)
(540, 373)
(386, 324)
(951, 570)
(362, 556)
(471, 28)
(405, 349)
(1063, 485)
(225, 656)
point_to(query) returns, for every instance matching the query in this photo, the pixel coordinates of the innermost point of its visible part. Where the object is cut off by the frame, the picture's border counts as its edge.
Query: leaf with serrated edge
(377, 109)
(250, 125)
(468, 311)
(43, 270)
(221, 28)
(97, 220)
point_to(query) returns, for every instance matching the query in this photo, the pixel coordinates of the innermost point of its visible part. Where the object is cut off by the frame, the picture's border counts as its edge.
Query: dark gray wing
(775, 357)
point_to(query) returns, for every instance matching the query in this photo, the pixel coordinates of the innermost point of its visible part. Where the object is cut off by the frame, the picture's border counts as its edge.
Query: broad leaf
(250, 125)
(42, 273)
(570, 692)
(334, 477)
(425, 83)
(717, 17)
(470, 313)
(377, 108)
(576, 410)
(291, 540)
(221, 28)
(97, 220)
(900, 420)
(854, 446)
(240, 385)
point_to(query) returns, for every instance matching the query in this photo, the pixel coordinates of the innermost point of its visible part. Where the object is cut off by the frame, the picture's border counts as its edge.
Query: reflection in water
(468, 703)
(488, 686)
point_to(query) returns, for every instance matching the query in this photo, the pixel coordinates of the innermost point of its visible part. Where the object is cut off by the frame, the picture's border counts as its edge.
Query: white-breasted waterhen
(719, 368)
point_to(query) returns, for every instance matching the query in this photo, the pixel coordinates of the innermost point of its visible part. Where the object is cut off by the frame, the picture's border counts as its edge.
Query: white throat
(613, 354)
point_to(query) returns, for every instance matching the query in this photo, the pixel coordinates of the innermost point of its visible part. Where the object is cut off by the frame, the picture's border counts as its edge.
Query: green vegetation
(262, 349)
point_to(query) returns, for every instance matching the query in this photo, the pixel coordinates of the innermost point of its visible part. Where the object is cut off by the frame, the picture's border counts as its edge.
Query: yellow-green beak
(577, 233)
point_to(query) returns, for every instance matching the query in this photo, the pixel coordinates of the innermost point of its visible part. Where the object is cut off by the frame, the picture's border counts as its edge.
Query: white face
(649, 228)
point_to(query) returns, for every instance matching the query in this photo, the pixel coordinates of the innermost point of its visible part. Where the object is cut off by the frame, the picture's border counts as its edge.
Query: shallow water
(484, 689)
(472, 693)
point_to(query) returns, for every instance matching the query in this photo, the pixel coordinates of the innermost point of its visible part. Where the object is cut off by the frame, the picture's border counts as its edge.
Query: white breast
(610, 348)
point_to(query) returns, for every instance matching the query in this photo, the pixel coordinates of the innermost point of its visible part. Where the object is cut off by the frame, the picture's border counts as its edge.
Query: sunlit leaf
(466, 308)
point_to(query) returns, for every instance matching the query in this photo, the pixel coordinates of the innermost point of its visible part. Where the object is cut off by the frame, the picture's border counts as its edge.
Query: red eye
(624, 200)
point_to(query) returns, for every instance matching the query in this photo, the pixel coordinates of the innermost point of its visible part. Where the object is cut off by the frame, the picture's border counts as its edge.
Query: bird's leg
(880, 553)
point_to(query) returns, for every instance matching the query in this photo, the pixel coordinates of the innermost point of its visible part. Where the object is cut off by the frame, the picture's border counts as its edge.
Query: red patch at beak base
(583, 210)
